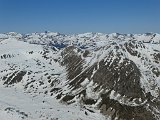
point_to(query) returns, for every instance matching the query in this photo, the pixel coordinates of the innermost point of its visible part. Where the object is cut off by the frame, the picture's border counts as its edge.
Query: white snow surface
(39, 107)
(17, 103)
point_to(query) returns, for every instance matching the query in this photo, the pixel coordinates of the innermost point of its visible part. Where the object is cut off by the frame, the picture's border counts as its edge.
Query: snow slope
(26, 100)
(17, 105)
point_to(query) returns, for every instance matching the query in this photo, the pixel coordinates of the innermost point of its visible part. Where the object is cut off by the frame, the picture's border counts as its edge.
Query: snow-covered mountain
(81, 76)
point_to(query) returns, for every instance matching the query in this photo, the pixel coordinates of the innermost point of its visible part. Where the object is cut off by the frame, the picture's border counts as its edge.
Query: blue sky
(79, 16)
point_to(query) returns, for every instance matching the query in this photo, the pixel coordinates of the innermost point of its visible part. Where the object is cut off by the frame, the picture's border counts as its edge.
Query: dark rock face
(72, 61)
(123, 78)
(157, 57)
(130, 48)
(14, 78)
(124, 112)
(118, 74)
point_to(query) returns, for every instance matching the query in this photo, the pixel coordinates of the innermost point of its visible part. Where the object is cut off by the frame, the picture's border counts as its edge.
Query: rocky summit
(90, 76)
